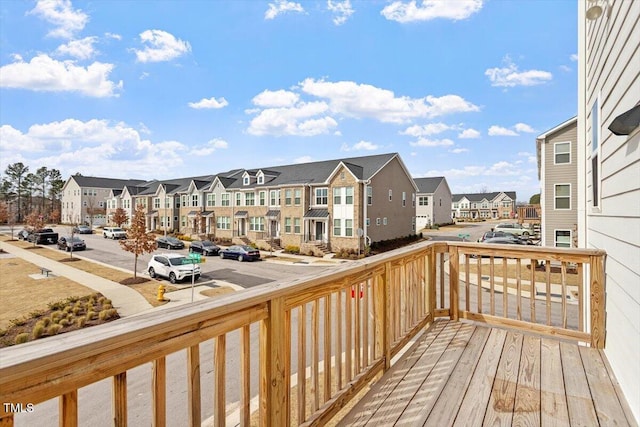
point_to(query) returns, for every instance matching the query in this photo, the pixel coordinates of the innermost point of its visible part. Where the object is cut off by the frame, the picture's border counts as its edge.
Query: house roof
(478, 197)
(540, 138)
(99, 182)
(428, 185)
(317, 213)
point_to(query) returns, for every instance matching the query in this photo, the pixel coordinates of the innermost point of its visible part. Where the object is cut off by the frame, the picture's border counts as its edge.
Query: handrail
(373, 308)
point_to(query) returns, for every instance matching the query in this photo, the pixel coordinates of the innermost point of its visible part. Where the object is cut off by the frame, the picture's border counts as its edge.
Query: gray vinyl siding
(442, 204)
(555, 219)
(613, 77)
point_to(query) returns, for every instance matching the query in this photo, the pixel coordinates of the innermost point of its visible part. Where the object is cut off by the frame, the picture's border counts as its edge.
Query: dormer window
(246, 180)
(260, 178)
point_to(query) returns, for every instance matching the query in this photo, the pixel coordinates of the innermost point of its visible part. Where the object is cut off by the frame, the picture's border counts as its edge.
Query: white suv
(513, 228)
(174, 267)
(114, 233)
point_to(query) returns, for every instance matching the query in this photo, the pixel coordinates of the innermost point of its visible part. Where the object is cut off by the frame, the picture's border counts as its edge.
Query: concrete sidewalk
(126, 300)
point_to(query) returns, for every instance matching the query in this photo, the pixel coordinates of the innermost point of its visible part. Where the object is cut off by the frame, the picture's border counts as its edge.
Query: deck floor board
(470, 375)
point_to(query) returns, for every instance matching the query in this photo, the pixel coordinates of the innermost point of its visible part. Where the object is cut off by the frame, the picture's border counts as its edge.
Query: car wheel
(221, 255)
(68, 249)
(152, 273)
(172, 278)
(197, 276)
(525, 234)
(240, 258)
(104, 235)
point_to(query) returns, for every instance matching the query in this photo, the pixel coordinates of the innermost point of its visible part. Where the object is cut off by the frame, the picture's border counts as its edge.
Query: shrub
(37, 331)
(18, 322)
(36, 314)
(76, 310)
(58, 305)
(101, 300)
(90, 315)
(64, 322)
(103, 315)
(107, 301)
(46, 321)
(56, 315)
(67, 309)
(80, 321)
(106, 306)
(53, 329)
(291, 249)
(22, 338)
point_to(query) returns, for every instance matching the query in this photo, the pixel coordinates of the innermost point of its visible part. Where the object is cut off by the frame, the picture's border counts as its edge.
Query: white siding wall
(610, 47)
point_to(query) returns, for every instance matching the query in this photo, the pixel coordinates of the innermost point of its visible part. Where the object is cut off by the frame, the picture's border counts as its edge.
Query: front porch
(299, 352)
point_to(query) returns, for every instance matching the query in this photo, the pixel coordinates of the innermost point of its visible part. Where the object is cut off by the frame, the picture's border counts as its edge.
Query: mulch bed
(133, 280)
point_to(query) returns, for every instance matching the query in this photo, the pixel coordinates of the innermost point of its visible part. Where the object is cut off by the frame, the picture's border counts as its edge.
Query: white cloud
(510, 76)
(303, 159)
(61, 14)
(282, 6)
(113, 36)
(112, 147)
(367, 101)
(501, 131)
(360, 146)
(210, 103)
(277, 98)
(81, 49)
(411, 11)
(574, 57)
(426, 130)
(469, 134)
(503, 169)
(46, 74)
(209, 148)
(342, 10)
(160, 46)
(523, 127)
(565, 68)
(303, 119)
(423, 142)
(458, 150)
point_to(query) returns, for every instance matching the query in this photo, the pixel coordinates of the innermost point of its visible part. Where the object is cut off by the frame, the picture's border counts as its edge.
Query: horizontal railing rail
(309, 344)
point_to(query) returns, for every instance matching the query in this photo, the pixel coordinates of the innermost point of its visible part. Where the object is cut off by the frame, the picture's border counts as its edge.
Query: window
(224, 199)
(390, 194)
(562, 196)
(424, 201)
(238, 199)
(562, 152)
(250, 199)
(322, 195)
(211, 200)
(297, 196)
(287, 197)
(256, 223)
(263, 198)
(336, 227)
(384, 221)
(167, 202)
(413, 199)
(368, 222)
(296, 225)
(348, 198)
(404, 199)
(337, 196)
(377, 221)
(369, 196)
(455, 206)
(287, 225)
(194, 200)
(595, 145)
(274, 197)
(348, 227)
(183, 220)
(260, 179)
(223, 222)
(156, 203)
(563, 238)
(246, 180)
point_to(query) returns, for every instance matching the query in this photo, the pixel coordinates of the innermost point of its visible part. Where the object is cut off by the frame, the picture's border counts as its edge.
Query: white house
(609, 171)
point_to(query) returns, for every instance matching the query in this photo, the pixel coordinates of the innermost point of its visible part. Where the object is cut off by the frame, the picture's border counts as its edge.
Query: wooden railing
(320, 339)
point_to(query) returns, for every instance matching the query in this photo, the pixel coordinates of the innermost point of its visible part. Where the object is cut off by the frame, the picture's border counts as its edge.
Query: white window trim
(555, 153)
(597, 152)
(555, 237)
(555, 196)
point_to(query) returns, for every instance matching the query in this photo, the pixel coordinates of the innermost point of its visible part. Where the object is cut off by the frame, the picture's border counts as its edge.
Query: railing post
(384, 300)
(431, 281)
(454, 281)
(274, 379)
(68, 409)
(119, 399)
(598, 310)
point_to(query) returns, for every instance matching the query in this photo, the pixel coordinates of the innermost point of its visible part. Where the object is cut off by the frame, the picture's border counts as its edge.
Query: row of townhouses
(328, 205)
(495, 205)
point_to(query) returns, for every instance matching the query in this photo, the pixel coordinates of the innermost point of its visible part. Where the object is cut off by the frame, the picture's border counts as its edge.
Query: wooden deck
(469, 375)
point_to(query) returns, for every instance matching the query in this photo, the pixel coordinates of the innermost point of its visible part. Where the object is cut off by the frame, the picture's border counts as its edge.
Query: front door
(273, 229)
(319, 231)
(241, 227)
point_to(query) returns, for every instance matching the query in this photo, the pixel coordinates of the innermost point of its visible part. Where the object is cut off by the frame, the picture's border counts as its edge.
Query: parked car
(204, 247)
(513, 228)
(83, 229)
(45, 235)
(492, 234)
(174, 267)
(241, 253)
(169, 243)
(67, 243)
(506, 241)
(114, 233)
(23, 234)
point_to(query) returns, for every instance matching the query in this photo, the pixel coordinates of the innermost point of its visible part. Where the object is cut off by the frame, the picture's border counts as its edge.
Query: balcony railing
(306, 347)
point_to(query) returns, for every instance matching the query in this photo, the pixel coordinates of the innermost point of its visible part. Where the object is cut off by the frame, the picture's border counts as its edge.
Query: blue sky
(163, 89)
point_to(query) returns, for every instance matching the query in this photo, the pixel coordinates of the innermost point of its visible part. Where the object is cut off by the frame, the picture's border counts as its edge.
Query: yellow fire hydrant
(161, 293)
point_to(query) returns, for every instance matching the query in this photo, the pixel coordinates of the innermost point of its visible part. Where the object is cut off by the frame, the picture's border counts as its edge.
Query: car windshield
(207, 243)
(117, 229)
(172, 240)
(74, 240)
(176, 261)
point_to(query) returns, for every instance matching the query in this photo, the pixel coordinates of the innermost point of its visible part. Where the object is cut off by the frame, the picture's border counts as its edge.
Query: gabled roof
(99, 182)
(428, 185)
(478, 197)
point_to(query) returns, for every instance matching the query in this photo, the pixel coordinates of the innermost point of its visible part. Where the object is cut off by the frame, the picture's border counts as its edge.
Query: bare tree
(120, 217)
(35, 220)
(138, 241)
